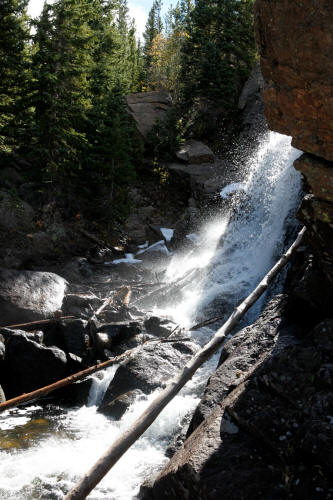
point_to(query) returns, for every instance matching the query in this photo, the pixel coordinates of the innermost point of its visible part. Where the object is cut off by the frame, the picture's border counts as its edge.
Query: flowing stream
(45, 451)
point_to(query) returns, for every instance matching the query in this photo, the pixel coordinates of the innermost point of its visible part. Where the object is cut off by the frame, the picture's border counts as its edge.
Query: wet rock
(276, 413)
(29, 365)
(80, 304)
(109, 336)
(158, 327)
(240, 354)
(188, 224)
(118, 314)
(28, 295)
(195, 152)
(152, 366)
(75, 394)
(318, 174)
(76, 337)
(178, 440)
(311, 294)
(317, 215)
(75, 363)
(118, 406)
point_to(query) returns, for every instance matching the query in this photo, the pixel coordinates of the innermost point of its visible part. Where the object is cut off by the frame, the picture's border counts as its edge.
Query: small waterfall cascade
(100, 383)
(232, 254)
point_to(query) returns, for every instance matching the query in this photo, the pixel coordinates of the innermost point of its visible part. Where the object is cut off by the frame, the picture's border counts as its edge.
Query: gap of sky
(138, 10)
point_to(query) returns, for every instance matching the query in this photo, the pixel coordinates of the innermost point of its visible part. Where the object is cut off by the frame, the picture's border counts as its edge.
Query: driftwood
(43, 391)
(125, 441)
(39, 323)
(106, 302)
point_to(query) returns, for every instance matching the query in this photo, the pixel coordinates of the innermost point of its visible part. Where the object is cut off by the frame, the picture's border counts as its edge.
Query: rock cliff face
(295, 41)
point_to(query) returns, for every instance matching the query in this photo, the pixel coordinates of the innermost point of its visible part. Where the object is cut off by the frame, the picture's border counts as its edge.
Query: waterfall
(233, 253)
(236, 250)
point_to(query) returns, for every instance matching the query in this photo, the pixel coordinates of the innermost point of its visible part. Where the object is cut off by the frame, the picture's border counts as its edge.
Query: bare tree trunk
(43, 391)
(125, 441)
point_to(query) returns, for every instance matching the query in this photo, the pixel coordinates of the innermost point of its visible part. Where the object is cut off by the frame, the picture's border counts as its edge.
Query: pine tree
(108, 166)
(219, 50)
(165, 51)
(14, 72)
(64, 44)
(154, 27)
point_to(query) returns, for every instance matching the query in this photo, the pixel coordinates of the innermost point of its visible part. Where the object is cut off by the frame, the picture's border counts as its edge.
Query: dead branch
(206, 323)
(36, 324)
(172, 287)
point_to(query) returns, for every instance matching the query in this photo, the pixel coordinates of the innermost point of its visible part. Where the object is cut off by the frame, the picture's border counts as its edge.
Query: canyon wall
(295, 42)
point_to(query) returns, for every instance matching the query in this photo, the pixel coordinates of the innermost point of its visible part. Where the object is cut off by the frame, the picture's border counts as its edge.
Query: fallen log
(43, 391)
(125, 441)
(39, 323)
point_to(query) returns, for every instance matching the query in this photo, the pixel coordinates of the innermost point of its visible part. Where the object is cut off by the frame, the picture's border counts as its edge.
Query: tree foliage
(62, 87)
(14, 72)
(219, 50)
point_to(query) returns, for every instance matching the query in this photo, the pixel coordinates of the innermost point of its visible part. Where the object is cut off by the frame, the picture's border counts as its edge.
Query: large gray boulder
(200, 179)
(29, 295)
(146, 108)
(29, 365)
(195, 152)
(154, 365)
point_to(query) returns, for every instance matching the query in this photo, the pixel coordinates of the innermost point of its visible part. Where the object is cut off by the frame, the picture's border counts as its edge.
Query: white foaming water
(232, 256)
(237, 251)
(50, 467)
(100, 382)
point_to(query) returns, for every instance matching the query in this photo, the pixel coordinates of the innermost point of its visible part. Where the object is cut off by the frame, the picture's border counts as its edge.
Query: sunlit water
(45, 452)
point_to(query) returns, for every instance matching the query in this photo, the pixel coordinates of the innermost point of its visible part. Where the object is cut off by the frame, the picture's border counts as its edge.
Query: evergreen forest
(64, 75)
